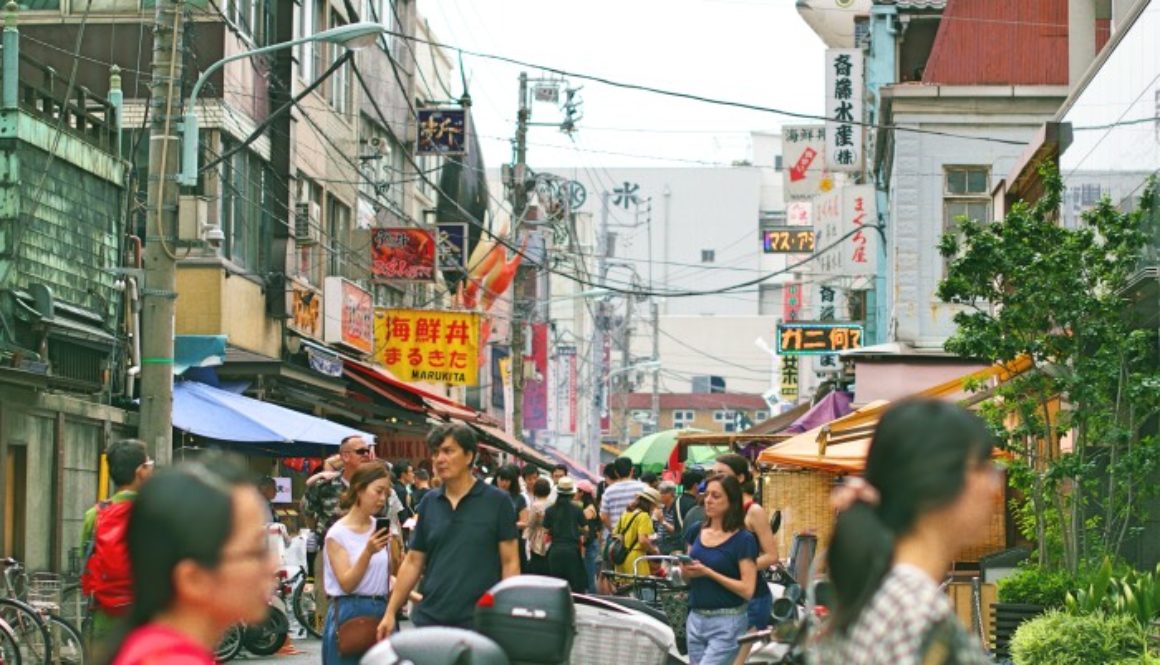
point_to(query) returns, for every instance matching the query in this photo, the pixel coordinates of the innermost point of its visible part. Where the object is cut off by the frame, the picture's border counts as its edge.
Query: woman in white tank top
(357, 561)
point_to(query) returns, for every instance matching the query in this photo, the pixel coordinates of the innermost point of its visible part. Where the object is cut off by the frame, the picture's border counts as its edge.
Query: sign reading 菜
(844, 109)
(403, 253)
(809, 339)
(349, 315)
(803, 150)
(787, 240)
(442, 131)
(428, 345)
(845, 233)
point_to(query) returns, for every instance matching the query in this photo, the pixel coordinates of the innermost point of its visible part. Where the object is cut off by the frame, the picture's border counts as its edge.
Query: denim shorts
(713, 638)
(760, 609)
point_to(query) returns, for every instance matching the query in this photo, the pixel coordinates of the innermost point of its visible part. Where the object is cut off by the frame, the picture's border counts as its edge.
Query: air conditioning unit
(192, 215)
(307, 223)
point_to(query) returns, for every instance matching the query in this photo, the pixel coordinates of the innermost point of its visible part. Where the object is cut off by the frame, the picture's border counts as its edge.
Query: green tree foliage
(1032, 288)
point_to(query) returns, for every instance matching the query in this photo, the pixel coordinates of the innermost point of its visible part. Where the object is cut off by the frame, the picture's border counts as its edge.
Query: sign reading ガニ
(809, 339)
(844, 109)
(428, 345)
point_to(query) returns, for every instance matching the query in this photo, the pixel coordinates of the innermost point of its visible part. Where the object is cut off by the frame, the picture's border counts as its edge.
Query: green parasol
(652, 452)
(705, 454)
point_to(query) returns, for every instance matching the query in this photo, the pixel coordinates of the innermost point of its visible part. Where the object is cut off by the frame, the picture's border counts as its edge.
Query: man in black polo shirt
(464, 540)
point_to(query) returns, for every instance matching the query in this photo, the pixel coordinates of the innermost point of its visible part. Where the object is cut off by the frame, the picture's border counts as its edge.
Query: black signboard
(787, 240)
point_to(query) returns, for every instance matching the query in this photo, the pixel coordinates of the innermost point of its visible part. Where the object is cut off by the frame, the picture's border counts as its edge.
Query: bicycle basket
(44, 590)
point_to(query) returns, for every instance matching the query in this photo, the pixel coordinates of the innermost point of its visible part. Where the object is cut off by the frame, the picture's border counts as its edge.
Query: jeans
(760, 608)
(590, 552)
(713, 639)
(347, 607)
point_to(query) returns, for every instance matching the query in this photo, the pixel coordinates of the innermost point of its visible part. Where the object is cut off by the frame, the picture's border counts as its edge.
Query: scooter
(262, 639)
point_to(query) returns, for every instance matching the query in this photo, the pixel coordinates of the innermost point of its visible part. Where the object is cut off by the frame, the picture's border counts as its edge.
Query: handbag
(356, 635)
(616, 550)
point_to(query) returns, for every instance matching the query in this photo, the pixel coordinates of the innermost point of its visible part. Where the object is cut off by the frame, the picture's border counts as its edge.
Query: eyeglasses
(362, 452)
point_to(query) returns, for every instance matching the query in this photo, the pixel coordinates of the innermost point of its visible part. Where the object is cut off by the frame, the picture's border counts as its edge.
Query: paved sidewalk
(311, 653)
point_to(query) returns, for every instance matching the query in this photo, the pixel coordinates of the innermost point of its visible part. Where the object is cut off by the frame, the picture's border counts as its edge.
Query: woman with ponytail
(928, 491)
(200, 560)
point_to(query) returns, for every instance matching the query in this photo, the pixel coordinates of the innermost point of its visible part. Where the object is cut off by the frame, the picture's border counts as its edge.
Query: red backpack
(107, 577)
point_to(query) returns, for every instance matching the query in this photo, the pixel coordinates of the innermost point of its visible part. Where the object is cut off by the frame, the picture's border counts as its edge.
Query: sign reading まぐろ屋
(429, 345)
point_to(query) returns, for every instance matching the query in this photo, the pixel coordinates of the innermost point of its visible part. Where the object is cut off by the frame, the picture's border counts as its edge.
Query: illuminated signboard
(808, 339)
(787, 240)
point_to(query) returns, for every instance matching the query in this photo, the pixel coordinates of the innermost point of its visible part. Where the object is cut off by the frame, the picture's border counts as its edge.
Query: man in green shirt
(129, 467)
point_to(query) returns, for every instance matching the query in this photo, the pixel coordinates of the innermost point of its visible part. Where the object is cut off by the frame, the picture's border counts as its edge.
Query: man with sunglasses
(320, 502)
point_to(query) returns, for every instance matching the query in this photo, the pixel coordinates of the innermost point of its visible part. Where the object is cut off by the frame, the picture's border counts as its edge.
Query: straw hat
(651, 495)
(565, 485)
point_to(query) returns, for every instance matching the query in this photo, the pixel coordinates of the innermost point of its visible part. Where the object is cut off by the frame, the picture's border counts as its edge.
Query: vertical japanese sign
(605, 386)
(452, 246)
(536, 387)
(349, 315)
(505, 372)
(789, 378)
(846, 216)
(844, 109)
(428, 345)
(791, 301)
(828, 304)
(403, 253)
(567, 358)
(803, 149)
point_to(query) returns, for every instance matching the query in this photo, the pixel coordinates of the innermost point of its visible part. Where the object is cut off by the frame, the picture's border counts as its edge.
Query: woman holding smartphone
(722, 575)
(357, 561)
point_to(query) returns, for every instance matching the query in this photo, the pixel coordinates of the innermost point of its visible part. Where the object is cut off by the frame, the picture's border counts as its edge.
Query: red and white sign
(349, 315)
(846, 216)
(803, 149)
(792, 295)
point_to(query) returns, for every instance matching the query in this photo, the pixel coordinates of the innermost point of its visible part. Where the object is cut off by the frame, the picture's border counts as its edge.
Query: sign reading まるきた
(429, 345)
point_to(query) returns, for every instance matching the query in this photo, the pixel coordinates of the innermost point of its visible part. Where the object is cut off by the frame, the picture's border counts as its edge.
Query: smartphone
(685, 559)
(382, 523)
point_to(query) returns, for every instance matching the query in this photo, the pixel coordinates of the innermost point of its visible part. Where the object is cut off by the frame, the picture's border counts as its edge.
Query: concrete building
(711, 412)
(63, 310)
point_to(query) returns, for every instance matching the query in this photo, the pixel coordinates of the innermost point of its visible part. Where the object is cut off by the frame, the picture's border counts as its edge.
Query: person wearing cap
(565, 524)
(635, 528)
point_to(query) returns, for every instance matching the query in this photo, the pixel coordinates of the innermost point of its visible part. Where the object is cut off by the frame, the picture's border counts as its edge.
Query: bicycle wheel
(9, 648)
(230, 646)
(74, 606)
(68, 648)
(305, 608)
(32, 636)
(266, 638)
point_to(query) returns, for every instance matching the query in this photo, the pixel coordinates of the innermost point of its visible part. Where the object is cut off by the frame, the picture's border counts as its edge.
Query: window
(431, 165)
(338, 87)
(243, 213)
(708, 256)
(309, 255)
(307, 27)
(383, 13)
(337, 236)
(724, 416)
(777, 163)
(759, 416)
(966, 194)
(682, 419)
(382, 165)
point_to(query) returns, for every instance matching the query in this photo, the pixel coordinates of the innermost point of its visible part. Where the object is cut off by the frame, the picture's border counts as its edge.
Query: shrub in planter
(1032, 585)
(1059, 638)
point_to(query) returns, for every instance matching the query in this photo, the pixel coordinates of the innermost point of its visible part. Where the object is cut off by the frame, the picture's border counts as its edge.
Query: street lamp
(352, 35)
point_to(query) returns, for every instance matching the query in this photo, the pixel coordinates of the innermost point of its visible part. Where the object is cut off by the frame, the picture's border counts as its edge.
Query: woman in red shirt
(201, 563)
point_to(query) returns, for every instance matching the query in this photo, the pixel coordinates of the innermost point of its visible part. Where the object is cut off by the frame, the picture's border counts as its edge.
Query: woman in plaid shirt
(928, 492)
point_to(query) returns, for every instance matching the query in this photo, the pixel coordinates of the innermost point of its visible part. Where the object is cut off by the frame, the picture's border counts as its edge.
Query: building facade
(711, 412)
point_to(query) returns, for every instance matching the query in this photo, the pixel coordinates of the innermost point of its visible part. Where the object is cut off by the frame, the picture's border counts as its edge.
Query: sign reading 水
(809, 339)
(844, 109)
(428, 345)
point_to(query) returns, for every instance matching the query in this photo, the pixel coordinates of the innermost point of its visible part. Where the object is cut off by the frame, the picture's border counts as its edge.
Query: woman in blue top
(722, 575)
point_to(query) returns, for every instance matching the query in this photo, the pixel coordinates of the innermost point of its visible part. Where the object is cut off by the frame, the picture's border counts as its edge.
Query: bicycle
(665, 597)
(303, 602)
(30, 609)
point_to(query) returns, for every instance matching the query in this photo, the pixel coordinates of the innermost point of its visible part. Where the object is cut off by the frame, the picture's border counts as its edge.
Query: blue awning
(231, 418)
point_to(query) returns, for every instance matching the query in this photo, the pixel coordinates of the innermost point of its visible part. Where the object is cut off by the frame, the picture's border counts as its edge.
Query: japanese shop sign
(567, 357)
(787, 240)
(844, 212)
(403, 253)
(828, 303)
(810, 339)
(442, 131)
(843, 109)
(349, 316)
(791, 301)
(789, 378)
(304, 307)
(452, 246)
(799, 213)
(428, 345)
(803, 149)
(536, 386)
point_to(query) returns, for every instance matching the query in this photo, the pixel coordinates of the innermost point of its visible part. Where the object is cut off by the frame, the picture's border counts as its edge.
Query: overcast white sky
(754, 51)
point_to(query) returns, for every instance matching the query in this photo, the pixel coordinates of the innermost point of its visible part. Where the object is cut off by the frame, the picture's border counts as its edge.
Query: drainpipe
(10, 94)
(117, 100)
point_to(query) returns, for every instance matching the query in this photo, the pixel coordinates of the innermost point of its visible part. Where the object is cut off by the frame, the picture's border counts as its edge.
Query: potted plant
(1023, 595)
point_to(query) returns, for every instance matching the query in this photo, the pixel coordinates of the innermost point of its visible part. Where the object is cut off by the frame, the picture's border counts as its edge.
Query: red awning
(508, 443)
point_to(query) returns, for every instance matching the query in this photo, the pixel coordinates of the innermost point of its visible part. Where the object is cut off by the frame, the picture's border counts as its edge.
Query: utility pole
(655, 407)
(159, 294)
(597, 350)
(519, 209)
(626, 382)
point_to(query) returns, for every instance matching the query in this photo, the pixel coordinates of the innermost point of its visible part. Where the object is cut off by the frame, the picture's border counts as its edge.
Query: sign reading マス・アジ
(809, 339)
(787, 240)
(428, 345)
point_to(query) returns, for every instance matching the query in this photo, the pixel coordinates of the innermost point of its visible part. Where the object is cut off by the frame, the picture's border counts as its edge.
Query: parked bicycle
(30, 610)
